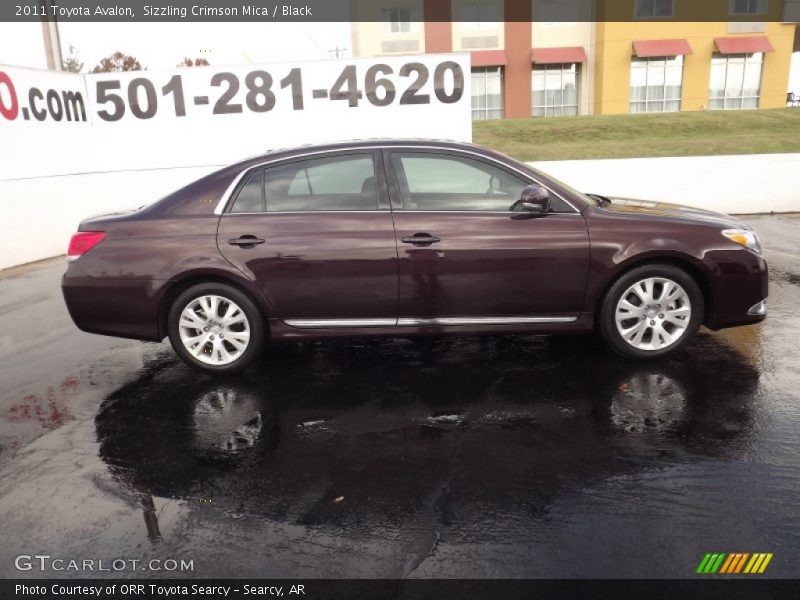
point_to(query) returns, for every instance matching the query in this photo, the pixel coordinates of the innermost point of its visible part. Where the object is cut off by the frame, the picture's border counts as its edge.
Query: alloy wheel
(214, 329)
(653, 313)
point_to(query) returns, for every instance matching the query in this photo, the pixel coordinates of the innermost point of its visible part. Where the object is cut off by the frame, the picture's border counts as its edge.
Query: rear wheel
(215, 328)
(651, 311)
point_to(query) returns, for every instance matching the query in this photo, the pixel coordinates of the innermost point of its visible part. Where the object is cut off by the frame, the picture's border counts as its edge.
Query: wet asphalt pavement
(515, 456)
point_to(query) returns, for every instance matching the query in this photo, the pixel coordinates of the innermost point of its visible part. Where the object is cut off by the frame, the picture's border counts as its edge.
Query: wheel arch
(179, 286)
(682, 262)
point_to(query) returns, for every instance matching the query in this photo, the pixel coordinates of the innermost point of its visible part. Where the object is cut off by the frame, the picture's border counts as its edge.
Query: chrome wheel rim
(653, 314)
(214, 330)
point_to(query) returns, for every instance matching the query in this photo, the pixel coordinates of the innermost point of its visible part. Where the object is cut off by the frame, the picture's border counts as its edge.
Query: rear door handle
(246, 241)
(421, 239)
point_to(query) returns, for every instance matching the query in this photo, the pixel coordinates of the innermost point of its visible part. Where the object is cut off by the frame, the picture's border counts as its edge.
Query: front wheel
(215, 328)
(651, 311)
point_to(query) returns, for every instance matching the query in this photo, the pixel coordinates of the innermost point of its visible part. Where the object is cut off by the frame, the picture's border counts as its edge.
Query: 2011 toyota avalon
(390, 238)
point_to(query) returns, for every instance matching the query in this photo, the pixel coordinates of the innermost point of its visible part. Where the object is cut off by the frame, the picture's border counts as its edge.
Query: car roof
(280, 153)
(288, 152)
(375, 142)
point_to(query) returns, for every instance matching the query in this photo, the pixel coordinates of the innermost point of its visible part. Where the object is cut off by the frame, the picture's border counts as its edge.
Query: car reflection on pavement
(365, 437)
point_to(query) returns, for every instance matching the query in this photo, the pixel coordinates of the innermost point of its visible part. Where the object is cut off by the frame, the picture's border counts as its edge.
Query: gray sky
(163, 45)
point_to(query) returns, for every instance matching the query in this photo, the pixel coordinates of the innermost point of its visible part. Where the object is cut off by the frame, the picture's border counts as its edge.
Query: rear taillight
(82, 242)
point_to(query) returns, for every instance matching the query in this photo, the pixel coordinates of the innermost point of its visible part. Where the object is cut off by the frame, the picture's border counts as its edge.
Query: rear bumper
(118, 307)
(740, 283)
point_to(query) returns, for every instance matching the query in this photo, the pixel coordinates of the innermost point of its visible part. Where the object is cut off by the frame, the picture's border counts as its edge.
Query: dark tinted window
(454, 183)
(331, 183)
(447, 182)
(250, 199)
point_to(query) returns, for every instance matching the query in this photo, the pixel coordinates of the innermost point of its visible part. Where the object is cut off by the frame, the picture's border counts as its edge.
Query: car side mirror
(533, 199)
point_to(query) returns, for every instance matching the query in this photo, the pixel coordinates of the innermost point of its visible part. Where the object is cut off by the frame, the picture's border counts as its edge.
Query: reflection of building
(522, 68)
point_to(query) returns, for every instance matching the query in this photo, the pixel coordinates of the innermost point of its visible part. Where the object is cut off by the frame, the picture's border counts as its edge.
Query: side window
(445, 182)
(331, 183)
(250, 198)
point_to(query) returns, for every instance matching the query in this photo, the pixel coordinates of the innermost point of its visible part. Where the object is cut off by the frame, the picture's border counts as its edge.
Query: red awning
(488, 58)
(649, 48)
(547, 56)
(744, 45)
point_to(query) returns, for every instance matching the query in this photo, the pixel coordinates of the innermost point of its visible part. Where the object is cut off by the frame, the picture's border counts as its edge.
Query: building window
(480, 16)
(656, 84)
(555, 90)
(487, 93)
(559, 13)
(398, 20)
(735, 81)
(748, 7)
(658, 9)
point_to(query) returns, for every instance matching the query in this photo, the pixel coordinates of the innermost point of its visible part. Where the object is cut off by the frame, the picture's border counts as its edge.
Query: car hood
(672, 211)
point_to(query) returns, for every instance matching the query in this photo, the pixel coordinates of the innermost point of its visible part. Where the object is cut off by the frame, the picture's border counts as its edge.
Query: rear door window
(332, 183)
(250, 198)
(335, 183)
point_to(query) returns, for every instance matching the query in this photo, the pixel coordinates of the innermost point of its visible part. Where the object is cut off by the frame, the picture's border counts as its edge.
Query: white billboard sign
(76, 145)
(57, 123)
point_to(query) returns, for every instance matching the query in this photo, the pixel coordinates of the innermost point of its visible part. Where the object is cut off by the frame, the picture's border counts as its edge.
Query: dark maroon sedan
(395, 238)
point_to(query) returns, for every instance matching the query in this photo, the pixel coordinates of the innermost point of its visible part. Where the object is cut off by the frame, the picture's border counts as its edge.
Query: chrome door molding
(421, 321)
(412, 322)
(325, 323)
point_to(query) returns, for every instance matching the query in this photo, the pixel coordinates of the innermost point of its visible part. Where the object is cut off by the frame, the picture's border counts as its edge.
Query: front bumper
(739, 288)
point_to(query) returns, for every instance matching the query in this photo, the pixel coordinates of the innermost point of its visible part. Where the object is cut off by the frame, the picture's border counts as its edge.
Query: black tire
(606, 318)
(228, 292)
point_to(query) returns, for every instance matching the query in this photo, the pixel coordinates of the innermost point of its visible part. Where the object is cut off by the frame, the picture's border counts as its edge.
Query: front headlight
(745, 237)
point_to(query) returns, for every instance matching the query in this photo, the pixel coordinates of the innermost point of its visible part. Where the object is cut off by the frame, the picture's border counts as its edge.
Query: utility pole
(337, 50)
(52, 42)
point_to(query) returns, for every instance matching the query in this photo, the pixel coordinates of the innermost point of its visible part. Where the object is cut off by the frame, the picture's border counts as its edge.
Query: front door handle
(421, 239)
(246, 241)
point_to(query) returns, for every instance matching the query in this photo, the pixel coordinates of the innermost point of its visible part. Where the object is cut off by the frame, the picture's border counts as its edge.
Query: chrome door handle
(421, 239)
(246, 241)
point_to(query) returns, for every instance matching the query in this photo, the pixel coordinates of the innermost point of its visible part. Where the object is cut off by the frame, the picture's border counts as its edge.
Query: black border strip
(706, 587)
(154, 11)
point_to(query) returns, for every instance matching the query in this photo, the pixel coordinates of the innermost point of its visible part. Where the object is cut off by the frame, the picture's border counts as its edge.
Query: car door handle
(246, 241)
(421, 239)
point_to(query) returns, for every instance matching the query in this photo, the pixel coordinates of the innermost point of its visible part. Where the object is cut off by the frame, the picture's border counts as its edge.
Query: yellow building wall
(613, 51)
(688, 10)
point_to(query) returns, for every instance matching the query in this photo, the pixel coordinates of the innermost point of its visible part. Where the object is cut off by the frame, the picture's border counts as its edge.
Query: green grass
(629, 136)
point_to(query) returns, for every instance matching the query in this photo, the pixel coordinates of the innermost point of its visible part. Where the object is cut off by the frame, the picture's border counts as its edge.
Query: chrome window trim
(386, 210)
(226, 196)
(417, 321)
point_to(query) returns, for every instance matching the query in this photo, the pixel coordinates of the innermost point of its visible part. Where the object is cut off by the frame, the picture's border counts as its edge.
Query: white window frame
(484, 112)
(636, 14)
(741, 97)
(561, 68)
(388, 22)
(763, 5)
(663, 101)
(480, 24)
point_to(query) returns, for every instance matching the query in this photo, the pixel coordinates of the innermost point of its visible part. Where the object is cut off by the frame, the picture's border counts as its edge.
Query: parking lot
(494, 457)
